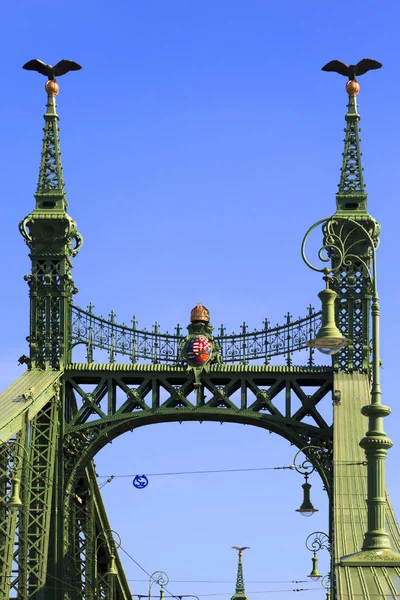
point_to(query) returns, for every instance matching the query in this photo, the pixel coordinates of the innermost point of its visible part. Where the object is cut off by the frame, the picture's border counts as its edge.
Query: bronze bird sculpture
(61, 68)
(351, 71)
(241, 549)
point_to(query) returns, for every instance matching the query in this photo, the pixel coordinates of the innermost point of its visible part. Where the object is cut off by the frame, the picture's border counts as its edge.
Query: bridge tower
(53, 524)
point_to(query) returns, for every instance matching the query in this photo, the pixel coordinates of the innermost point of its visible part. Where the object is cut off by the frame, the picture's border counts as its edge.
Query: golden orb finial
(51, 87)
(352, 87)
(200, 313)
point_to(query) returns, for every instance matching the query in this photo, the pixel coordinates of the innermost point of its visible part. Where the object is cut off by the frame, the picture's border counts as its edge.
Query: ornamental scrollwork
(154, 346)
(76, 443)
(318, 540)
(341, 244)
(24, 231)
(317, 454)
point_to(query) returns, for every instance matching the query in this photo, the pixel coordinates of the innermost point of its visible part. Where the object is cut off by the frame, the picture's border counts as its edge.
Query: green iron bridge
(60, 413)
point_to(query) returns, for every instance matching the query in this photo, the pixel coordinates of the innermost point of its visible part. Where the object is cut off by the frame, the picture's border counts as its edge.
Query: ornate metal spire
(53, 239)
(50, 191)
(352, 284)
(240, 593)
(351, 195)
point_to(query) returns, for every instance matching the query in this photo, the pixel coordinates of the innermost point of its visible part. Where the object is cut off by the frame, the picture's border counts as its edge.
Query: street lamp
(305, 468)
(15, 503)
(341, 234)
(326, 584)
(109, 542)
(161, 578)
(107, 580)
(329, 339)
(315, 542)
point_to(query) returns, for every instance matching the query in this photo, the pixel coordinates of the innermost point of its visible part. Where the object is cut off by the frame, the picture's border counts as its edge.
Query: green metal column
(53, 239)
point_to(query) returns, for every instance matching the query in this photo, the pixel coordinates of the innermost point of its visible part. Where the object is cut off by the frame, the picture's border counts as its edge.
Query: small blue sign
(140, 482)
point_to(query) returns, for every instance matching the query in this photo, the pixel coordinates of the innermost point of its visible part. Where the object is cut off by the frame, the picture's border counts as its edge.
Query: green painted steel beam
(350, 492)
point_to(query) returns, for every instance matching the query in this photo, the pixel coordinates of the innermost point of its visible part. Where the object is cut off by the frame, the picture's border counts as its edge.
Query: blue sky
(200, 141)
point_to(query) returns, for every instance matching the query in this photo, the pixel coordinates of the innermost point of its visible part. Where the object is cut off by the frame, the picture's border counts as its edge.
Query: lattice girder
(136, 397)
(89, 546)
(27, 530)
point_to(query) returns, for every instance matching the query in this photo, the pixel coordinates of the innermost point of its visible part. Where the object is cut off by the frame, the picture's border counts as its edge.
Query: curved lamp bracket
(340, 243)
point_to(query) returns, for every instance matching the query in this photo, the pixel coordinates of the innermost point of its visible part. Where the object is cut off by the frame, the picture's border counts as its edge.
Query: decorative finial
(52, 87)
(352, 87)
(61, 68)
(352, 71)
(200, 313)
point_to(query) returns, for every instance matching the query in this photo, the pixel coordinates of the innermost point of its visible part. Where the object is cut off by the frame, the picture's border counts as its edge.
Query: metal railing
(141, 345)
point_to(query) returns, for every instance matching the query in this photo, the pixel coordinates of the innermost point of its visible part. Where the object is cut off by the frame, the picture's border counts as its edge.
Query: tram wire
(205, 472)
(230, 593)
(180, 596)
(227, 581)
(109, 478)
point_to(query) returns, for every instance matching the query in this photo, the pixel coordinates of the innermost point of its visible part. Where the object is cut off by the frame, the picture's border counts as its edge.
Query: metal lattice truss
(60, 541)
(42, 546)
(104, 401)
(50, 173)
(56, 539)
(24, 534)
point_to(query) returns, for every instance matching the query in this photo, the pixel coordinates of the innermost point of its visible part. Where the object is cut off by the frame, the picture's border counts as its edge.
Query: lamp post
(305, 468)
(107, 539)
(15, 503)
(326, 584)
(161, 578)
(340, 237)
(316, 541)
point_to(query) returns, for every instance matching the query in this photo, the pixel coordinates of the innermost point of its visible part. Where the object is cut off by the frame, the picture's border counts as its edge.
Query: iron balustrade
(164, 348)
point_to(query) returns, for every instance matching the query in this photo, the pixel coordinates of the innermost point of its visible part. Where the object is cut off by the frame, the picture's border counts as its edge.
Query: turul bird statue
(61, 68)
(351, 71)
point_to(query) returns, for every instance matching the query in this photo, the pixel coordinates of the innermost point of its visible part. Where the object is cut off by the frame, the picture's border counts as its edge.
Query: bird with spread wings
(351, 71)
(61, 68)
(241, 549)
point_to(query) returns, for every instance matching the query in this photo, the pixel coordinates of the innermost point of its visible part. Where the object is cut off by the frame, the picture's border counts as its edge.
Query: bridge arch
(145, 405)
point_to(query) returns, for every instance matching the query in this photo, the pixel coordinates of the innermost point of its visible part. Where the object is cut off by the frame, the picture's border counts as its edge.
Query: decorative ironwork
(351, 179)
(349, 255)
(318, 540)
(165, 348)
(53, 239)
(160, 578)
(326, 582)
(317, 457)
(50, 174)
(306, 467)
